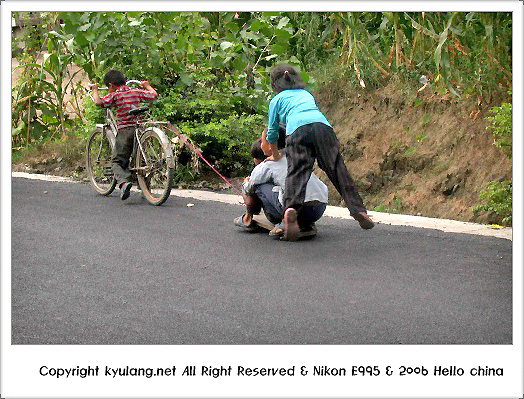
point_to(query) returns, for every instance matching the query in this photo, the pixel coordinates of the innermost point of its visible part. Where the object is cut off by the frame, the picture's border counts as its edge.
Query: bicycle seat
(138, 110)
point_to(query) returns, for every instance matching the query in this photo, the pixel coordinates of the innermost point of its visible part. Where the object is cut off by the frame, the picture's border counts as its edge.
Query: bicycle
(152, 163)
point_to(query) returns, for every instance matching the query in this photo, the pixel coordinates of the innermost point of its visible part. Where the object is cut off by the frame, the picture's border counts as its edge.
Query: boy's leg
(300, 156)
(253, 207)
(269, 200)
(327, 149)
(262, 198)
(310, 212)
(123, 148)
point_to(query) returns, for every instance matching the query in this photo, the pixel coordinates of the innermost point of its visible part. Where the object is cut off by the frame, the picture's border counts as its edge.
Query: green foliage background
(497, 196)
(211, 69)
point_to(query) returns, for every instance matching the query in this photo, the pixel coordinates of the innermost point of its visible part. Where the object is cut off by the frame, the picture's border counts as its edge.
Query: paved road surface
(88, 269)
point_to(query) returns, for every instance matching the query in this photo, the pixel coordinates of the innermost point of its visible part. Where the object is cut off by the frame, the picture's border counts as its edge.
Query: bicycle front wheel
(154, 164)
(98, 160)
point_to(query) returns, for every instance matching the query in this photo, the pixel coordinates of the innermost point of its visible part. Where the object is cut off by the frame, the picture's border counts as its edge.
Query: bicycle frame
(139, 130)
(111, 125)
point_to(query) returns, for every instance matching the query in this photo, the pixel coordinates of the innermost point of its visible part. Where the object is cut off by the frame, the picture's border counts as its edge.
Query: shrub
(92, 114)
(496, 198)
(225, 143)
(501, 124)
(223, 123)
(202, 106)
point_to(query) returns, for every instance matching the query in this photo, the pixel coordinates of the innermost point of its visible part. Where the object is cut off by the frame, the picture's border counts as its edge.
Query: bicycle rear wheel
(98, 159)
(155, 169)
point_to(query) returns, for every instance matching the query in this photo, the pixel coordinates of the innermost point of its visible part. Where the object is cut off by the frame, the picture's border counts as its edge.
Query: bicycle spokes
(99, 169)
(153, 157)
(153, 172)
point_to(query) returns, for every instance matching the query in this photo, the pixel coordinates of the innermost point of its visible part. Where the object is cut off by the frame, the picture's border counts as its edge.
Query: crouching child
(264, 190)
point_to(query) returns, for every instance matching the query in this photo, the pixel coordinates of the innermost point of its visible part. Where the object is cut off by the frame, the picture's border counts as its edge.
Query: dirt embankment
(414, 153)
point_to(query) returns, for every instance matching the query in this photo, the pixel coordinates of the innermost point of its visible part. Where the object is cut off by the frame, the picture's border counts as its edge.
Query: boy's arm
(260, 174)
(272, 131)
(275, 153)
(147, 86)
(96, 97)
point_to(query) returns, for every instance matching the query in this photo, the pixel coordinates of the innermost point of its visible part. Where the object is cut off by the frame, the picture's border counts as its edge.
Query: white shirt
(275, 172)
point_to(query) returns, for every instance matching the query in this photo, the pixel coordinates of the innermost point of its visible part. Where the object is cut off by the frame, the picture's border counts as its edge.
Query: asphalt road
(88, 269)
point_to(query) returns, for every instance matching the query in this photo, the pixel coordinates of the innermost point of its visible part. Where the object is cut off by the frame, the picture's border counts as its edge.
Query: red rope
(185, 141)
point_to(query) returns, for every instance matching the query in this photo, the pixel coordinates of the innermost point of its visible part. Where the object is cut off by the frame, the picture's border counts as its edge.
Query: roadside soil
(416, 153)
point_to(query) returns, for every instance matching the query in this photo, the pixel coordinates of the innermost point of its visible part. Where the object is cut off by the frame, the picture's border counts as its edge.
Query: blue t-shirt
(294, 108)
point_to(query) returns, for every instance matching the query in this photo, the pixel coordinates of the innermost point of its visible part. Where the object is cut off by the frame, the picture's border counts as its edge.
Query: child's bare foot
(290, 225)
(363, 219)
(247, 219)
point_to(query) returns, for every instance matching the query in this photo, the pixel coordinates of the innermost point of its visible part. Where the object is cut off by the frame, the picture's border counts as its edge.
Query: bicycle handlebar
(128, 82)
(88, 88)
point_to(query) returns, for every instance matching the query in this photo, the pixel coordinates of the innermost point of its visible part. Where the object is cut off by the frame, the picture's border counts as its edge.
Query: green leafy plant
(40, 96)
(225, 143)
(502, 126)
(27, 47)
(237, 47)
(395, 206)
(496, 199)
(463, 53)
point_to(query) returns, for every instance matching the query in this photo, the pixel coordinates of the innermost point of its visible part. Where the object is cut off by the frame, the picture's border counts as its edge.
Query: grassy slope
(414, 153)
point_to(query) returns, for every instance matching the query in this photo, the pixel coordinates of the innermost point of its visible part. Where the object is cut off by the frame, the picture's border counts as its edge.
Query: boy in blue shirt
(309, 137)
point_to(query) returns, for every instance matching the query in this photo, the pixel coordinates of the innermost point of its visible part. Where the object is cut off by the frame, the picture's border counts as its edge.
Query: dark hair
(285, 77)
(115, 77)
(281, 142)
(256, 150)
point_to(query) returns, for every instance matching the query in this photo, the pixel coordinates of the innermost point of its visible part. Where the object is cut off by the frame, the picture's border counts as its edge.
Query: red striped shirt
(122, 100)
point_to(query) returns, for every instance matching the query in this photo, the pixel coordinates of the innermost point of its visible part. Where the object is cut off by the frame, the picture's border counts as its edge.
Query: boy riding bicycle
(123, 99)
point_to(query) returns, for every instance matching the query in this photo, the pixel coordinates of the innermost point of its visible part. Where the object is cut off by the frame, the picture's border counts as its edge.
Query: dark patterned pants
(317, 141)
(124, 143)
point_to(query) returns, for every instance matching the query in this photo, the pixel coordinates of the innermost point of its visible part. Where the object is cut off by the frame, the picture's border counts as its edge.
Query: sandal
(277, 232)
(309, 231)
(239, 221)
